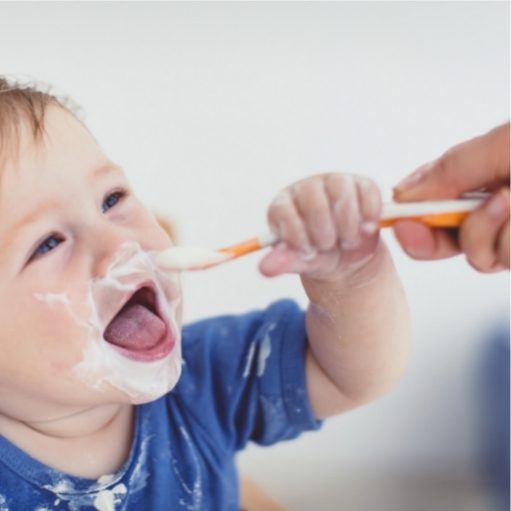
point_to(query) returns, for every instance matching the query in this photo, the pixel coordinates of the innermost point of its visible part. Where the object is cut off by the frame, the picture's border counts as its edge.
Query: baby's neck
(89, 443)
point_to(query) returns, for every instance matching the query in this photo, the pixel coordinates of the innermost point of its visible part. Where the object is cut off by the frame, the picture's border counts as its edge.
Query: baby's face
(86, 318)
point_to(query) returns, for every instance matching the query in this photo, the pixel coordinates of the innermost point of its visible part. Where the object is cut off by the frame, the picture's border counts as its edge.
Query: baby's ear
(167, 226)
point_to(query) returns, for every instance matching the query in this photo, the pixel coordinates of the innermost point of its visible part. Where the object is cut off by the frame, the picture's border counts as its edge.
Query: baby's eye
(46, 246)
(112, 199)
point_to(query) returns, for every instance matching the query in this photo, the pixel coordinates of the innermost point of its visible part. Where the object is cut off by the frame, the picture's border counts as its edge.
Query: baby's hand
(327, 224)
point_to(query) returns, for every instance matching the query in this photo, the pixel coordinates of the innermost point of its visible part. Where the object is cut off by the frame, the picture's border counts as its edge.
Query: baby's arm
(357, 320)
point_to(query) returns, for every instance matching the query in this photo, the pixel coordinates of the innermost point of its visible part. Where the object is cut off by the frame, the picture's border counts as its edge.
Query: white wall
(212, 108)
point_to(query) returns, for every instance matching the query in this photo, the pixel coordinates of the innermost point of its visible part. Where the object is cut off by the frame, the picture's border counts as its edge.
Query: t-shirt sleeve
(244, 377)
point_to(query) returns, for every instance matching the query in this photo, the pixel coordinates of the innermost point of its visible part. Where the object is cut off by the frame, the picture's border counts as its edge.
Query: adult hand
(476, 165)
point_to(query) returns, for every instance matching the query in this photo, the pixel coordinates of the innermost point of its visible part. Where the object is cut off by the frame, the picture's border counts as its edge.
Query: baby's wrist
(348, 277)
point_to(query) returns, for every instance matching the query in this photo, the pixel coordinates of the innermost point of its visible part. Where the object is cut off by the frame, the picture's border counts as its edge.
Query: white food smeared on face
(103, 364)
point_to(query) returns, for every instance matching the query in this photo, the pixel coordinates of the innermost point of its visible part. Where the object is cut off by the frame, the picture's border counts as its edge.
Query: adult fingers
(483, 233)
(503, 245)
(471, 165)
(422, 242)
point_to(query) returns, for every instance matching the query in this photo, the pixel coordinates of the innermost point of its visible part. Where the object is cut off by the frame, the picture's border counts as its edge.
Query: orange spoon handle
(449, 213)
(441, 220)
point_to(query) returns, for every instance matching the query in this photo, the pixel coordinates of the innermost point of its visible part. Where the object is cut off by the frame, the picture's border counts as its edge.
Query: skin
(357, 321)
(53, 188)
(483, 238)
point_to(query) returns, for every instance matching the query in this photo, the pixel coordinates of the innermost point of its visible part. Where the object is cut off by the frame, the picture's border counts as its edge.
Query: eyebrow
(33, 214)
(49, 205)
(11, 234)
(106, 168)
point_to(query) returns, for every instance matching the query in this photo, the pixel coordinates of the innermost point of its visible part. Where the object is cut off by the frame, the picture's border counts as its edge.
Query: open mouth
(139, 330)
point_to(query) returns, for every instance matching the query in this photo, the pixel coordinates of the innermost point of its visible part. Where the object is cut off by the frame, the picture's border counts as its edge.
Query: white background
(212, 108)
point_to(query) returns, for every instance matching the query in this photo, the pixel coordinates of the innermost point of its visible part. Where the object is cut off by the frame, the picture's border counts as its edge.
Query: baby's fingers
(282, 259)
(314, 207)
(342, 190)
(285, 221)
(356, 206)
(370, 205)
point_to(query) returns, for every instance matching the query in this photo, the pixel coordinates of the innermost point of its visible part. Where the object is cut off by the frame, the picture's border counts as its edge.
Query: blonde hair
(21, 105)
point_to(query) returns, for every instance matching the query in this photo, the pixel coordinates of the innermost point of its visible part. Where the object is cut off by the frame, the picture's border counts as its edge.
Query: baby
(105, 402)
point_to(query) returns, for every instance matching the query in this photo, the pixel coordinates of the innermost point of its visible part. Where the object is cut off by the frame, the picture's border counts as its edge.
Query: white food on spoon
(186, 258)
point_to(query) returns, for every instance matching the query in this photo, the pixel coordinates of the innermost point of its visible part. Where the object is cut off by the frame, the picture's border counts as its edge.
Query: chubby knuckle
(340, 186)
(280, 207)
(370, 197)
(319, 218)
(283, 198)
(308, 202)
(274, 214)
(324, 239)
(314, 208)
(334, 184)
(302, 189)
(366, 182)
(348, 213)
(328, 243)
(295, 231)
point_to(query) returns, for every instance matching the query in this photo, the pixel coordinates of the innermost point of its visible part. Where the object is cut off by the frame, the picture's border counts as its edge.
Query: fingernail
(414, 177)
(369, 227)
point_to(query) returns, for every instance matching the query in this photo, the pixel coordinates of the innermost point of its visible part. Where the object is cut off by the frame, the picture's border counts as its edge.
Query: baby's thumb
(482, 162)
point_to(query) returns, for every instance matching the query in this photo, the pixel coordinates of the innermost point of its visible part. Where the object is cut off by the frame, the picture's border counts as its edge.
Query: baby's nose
(111, 252)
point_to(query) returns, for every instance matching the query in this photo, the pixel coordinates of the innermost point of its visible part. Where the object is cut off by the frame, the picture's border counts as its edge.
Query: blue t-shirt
(243, 379)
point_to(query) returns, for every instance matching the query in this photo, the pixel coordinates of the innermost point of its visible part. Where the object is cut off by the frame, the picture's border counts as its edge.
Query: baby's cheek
(63, 330)
(59, 368)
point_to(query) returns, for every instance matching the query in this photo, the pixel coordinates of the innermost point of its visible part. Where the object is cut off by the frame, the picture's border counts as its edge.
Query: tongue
(135, 328)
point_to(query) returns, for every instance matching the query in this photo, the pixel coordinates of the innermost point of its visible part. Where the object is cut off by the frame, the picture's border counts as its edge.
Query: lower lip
(160, 350)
